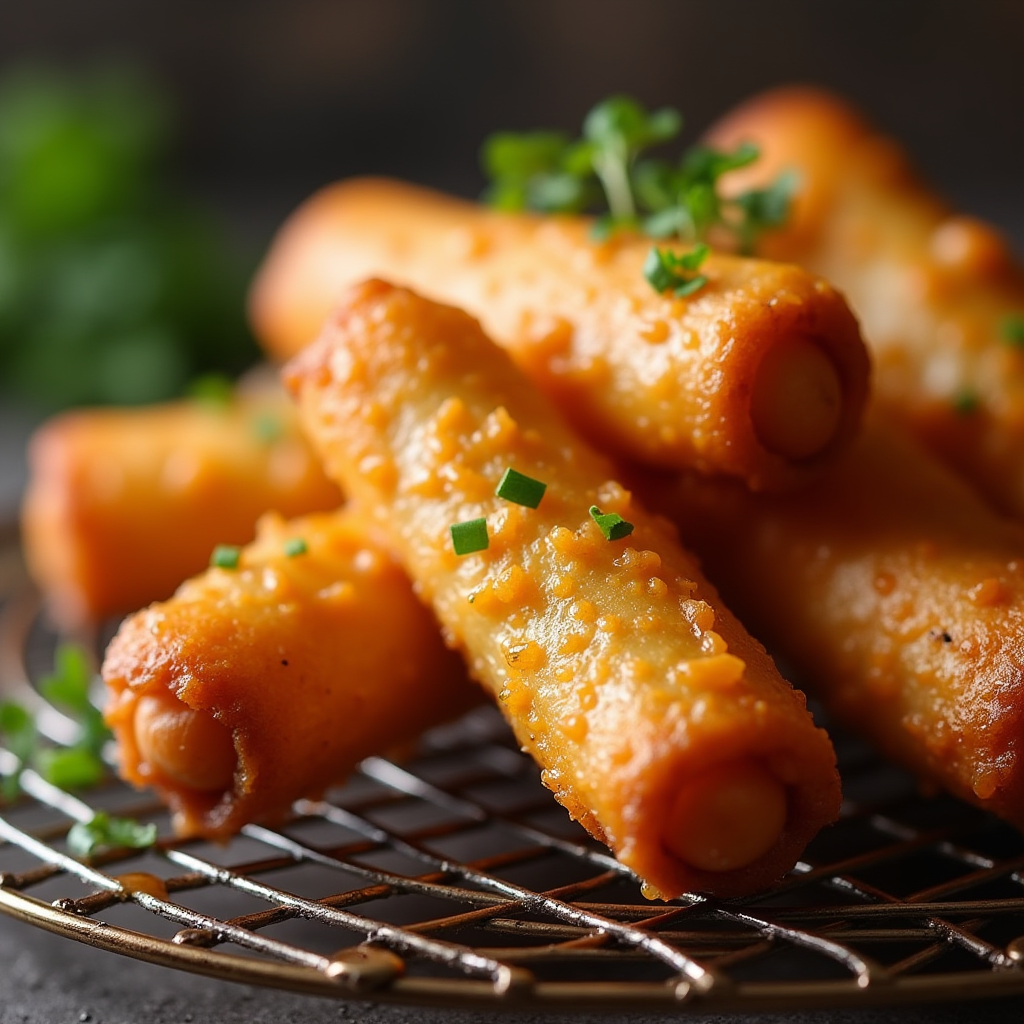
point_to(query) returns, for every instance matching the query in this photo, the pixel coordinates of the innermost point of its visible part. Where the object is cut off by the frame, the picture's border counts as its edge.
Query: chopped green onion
(470, 536)
(520, 489)
(611, 524)
(104, 832)
(225, 556)
(1013, 331)
(966, 403)
(295, 546)
(268, 428)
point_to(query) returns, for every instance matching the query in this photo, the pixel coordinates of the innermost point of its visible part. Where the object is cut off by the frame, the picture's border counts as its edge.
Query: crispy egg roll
(760, 374)
(934, 290)
(252, 687)
(123, 504)
(658, 722)
(899, 596)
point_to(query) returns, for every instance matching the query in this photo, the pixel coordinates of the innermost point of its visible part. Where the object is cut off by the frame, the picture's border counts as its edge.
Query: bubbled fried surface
(660, 379)
(297, 656)
(900, 597)
(613, 661)
(933, 288)
(123, 504)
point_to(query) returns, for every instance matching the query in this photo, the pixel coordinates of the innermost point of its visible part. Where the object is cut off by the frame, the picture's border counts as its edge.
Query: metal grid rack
(453, 879)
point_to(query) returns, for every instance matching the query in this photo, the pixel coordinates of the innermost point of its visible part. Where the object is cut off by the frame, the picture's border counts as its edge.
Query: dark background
(276, 99)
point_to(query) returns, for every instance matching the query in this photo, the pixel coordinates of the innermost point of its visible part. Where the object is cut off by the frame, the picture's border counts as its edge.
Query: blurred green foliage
(115, 287)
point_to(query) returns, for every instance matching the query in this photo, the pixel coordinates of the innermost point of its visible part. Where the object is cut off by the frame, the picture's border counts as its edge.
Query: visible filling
(187, 747)
(727, 817)
(797, 400)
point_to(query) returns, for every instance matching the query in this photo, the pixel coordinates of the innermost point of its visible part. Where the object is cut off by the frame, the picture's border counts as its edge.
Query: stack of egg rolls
(760, 374)
(658, 722)
(939, 295)
(883, 577)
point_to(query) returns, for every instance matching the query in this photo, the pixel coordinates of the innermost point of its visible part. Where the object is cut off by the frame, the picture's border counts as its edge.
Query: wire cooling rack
(453, 879)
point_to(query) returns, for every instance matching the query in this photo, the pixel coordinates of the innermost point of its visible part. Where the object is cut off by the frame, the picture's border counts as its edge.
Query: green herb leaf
(520, 489)
(763, 209)
(966, 403)
(268, 428)
(68, 688)
(68, 684)
(611, 524)
(18, 733)
(225, 556)
(1013, 330)
(470, 536)
(669, 271)
(104, 832)
(70, 767)
(295, 546)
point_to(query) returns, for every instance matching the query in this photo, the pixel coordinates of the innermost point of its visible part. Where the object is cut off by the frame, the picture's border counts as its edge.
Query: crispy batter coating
(933, 289)
(123, 504)
(760, 374)
(658, 722)
(253, 687)
(900, 597)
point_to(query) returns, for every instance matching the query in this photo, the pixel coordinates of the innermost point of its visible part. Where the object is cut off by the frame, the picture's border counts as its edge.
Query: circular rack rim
(564, 945)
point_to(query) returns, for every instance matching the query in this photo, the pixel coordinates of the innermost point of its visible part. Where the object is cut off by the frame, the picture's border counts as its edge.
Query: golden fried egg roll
(935, 291)
(898, 594)
(760, 374)
(123, 504)
(658, 722)
(257, 685)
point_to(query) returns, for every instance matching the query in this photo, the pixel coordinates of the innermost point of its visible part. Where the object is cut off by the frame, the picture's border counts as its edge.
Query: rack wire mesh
(453, 879)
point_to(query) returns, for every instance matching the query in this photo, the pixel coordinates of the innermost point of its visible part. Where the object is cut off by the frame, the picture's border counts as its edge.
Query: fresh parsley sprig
(551, 173)
(74, 767)
(104, 832)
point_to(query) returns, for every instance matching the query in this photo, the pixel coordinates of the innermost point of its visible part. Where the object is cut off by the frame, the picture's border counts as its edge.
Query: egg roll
(897, 594)
(256, 685)
(759, 374)
(124, 504)
(658, 722)
(936, 291)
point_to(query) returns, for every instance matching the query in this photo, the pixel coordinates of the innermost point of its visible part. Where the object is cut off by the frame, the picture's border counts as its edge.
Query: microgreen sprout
(551, 173)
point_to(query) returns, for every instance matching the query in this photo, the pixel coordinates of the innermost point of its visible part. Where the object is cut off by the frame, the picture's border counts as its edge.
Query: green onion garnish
(295, 546)
(1013, 331)
(966, 403)
(470, 536)
(611, 524)
(520, 489)
(268, 428)
(225, 556)
(105, 832)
